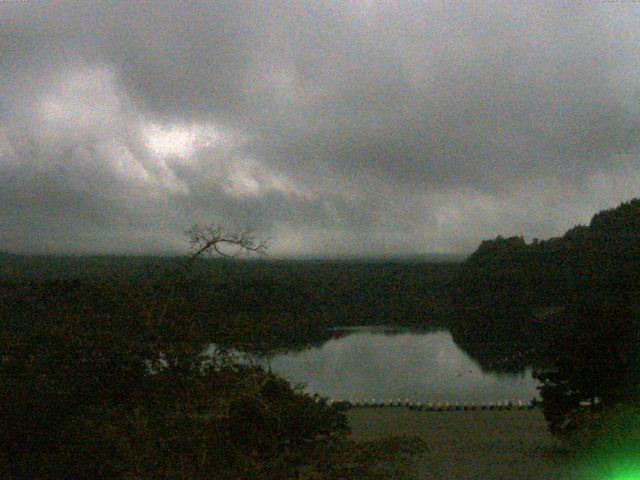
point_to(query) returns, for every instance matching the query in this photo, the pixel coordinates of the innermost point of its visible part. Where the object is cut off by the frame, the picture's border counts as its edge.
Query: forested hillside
(506, 276)
(515, 292)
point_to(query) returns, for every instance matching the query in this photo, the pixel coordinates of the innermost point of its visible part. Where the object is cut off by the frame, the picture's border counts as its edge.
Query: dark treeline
(506, 297)
(506, 276)
(257, 305)
(513, 293)
(573, 302)
(101, 376)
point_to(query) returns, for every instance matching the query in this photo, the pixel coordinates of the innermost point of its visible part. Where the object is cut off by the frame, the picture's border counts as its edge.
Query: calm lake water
(367, 363)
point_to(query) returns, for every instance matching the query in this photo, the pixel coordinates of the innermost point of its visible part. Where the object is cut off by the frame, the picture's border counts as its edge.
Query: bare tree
(155, 310)
(212, 240)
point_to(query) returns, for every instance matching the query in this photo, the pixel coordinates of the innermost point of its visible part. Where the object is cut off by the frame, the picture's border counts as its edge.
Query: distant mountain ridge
(42, 267)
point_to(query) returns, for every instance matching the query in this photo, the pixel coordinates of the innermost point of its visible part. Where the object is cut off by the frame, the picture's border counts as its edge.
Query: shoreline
(470, 445)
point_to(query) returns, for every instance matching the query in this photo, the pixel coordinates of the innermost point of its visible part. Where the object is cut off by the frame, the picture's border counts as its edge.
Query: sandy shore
(479, 445)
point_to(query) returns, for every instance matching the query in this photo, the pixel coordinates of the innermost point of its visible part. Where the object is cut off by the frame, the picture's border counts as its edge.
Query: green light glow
(634, 475)
(614, 453)
(624, 470)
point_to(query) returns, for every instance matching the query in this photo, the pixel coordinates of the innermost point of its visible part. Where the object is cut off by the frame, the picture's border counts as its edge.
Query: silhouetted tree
(594, 357)
(109, 382)
(507, 289)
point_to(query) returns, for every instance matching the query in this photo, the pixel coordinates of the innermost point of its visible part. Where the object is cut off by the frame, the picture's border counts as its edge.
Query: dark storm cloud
(331, 126)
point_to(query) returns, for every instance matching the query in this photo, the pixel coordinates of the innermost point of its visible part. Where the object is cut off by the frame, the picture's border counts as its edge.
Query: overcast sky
(356, 127)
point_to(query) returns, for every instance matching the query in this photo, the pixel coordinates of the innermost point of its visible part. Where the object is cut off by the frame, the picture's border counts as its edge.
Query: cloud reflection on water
(420, 366)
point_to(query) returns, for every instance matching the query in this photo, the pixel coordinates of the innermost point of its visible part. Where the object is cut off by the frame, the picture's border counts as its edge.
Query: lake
(381, 363)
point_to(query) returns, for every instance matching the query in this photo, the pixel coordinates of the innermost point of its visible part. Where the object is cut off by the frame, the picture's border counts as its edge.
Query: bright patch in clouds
(164, 142)
(248, 178)
(183, 141)
(220, 154)
(80, 104)
(351, 126)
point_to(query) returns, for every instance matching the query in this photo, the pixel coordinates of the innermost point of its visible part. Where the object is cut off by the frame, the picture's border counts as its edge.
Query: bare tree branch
(212, 240)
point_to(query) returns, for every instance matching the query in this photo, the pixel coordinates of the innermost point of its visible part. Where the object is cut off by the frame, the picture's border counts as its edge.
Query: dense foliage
(105, 379)
(96, 390)
(509, 279)
(511, 291)
(259, 305)
(573, 299)
(594, 363)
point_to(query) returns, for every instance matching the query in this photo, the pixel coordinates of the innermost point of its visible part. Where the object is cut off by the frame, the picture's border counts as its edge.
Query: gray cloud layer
(333, 127)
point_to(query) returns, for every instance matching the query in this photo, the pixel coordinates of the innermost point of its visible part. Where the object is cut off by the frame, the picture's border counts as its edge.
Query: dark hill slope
(508, 290)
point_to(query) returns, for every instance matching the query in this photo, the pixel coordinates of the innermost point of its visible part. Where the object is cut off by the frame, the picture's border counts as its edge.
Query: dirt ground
(478, 445)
